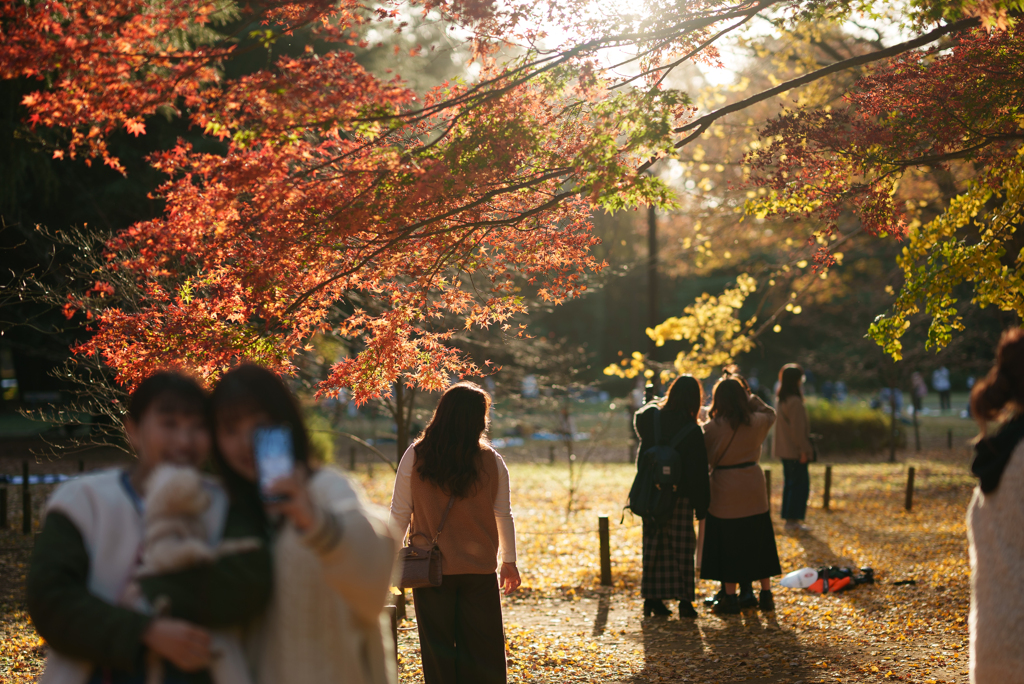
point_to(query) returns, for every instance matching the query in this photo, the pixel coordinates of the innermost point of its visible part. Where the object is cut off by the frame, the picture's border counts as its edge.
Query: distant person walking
(918, 391)
(668, 548)
(940, 383)
(995, 520)
(452, 474)
(792, 445)
(739, 542)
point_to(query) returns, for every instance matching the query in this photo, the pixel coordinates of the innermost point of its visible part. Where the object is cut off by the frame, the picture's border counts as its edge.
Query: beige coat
(326, 620)
(995, 530)
(792, 430)
(738, 492)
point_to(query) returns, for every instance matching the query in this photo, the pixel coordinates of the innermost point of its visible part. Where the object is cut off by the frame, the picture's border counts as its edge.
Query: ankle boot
(767, 602)
(747, 599)
(727, 605)
(686, 610)
(655, 607)
(710, 600)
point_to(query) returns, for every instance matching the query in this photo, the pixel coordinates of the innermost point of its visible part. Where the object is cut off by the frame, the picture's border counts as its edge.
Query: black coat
(696, 483)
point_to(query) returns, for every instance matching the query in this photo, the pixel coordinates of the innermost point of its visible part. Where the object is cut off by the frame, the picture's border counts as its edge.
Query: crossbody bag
(421, 566)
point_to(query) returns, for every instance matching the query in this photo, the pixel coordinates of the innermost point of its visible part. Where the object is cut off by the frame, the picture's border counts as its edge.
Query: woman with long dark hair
(451, 480)
(333, 553)
(668, 548)
(995, 519)
(792, 445)
(739, 541)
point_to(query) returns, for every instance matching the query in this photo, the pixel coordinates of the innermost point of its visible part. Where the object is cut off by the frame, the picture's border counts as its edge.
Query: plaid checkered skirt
(669, 555)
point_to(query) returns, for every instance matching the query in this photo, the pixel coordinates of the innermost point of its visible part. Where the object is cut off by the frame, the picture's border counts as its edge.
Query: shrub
(850, 427)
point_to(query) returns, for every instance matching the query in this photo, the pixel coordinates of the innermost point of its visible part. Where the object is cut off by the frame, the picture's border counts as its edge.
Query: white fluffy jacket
(326, 622)
(995, 528)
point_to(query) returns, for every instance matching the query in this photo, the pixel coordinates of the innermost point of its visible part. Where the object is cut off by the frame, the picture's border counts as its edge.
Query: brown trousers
(462, 640)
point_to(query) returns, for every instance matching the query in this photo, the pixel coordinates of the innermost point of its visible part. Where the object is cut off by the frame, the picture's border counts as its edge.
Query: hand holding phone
(275, 458)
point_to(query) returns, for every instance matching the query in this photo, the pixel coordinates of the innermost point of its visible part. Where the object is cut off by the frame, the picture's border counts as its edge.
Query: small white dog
(175, 538)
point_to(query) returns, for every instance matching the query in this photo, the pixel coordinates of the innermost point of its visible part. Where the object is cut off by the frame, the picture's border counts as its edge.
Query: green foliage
(966, 244)
(321, 438)
(849, 428)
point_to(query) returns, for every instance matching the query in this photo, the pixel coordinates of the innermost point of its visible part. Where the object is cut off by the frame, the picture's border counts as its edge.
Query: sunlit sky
(733, 58)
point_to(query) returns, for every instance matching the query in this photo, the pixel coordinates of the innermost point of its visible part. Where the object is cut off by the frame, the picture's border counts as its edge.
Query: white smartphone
(275, 457)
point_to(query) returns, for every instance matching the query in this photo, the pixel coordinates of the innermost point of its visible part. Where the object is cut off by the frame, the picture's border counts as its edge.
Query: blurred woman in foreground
(333, 553)
(995, 519)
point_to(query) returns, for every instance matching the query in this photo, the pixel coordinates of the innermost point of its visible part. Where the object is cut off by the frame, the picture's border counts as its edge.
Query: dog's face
(175, 491)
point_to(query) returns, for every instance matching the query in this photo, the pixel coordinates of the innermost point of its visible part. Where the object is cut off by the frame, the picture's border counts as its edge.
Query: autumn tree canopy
(344, 202)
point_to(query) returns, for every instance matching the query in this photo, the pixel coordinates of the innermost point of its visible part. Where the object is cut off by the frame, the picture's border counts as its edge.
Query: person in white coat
(995, 520)
(333, 553)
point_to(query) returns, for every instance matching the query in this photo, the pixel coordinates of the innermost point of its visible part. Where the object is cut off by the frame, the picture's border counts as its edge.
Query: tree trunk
(401, 411)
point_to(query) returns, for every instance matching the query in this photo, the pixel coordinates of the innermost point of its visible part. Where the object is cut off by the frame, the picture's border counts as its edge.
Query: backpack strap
(657, 425)
(677, 440)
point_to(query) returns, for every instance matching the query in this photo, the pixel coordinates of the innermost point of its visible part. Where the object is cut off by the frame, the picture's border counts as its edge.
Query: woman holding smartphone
(452, 474)
(333, 555)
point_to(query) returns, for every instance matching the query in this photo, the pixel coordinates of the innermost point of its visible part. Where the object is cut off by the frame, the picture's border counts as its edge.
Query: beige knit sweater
(995, 529)
(325, 623)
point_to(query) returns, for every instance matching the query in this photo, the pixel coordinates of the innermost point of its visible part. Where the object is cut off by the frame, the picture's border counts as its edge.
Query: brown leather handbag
(421, 566)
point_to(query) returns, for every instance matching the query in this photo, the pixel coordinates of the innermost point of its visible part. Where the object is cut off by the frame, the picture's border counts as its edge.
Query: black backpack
(658, 478)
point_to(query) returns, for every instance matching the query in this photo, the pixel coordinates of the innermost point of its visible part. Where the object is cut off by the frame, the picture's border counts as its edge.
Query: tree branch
(698, 126)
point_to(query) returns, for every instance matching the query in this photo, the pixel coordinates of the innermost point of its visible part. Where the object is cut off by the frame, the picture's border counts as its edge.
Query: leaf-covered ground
(563, 627)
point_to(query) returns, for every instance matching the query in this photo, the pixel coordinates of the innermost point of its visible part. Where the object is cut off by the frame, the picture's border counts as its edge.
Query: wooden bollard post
(768, 484)
(393, 613)
(606, 551)
(369, 468)
(827, 496)
(352, 458)
(949, 438)
(909, 502)
(26, 501)
(551, 454)
(81, 465)
(400, 604)
(3, 508)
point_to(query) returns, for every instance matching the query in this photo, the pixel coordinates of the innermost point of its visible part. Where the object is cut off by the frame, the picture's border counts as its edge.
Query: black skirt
(739, 549)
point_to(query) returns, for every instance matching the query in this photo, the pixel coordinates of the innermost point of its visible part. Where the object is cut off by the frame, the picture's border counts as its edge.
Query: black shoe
(710, 600)
(747, 599)
(655, 607)
(727, 605)
(686, 610)
(767, 603)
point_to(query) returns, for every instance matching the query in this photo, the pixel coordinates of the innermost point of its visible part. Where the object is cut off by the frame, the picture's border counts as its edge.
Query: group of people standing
(303, 566)
(724, 489)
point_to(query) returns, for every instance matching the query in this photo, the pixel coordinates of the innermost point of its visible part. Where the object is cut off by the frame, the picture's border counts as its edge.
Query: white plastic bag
(800, 579)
